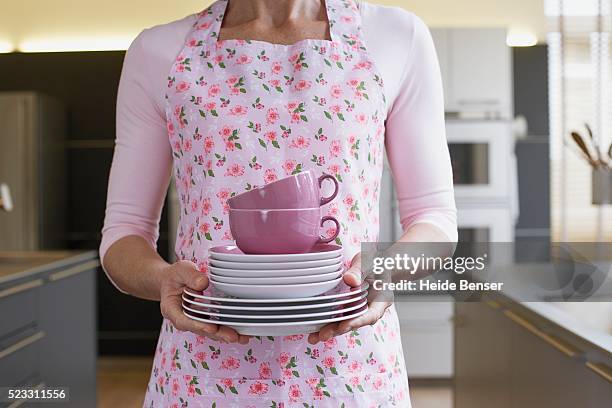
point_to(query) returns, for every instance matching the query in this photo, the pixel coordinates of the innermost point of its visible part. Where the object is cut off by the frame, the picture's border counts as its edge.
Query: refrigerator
(33, 166)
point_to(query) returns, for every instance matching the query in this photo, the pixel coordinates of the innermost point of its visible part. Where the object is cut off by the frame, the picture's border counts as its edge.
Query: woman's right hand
(176, 277)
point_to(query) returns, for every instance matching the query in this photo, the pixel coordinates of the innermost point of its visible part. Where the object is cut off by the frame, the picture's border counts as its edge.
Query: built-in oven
(482, 154)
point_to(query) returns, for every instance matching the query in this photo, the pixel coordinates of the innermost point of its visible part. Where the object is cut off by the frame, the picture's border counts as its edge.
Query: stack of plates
(276, 317)
(275, 295)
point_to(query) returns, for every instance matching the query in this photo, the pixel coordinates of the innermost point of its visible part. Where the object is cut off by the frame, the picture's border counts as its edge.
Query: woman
(244, 93)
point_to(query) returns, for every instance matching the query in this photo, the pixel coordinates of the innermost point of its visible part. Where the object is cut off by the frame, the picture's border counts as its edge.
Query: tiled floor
(122, 382)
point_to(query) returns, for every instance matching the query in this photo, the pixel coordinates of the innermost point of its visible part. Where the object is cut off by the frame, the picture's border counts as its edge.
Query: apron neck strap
(343, 15)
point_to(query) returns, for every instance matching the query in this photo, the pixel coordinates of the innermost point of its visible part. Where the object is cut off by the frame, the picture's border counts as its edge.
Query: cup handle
(330, 239)
(325, 200)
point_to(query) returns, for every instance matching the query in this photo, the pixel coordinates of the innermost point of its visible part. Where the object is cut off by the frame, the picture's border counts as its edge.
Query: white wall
(36, 20)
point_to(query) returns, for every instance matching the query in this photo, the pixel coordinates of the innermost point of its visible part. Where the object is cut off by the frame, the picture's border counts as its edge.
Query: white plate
(281, 280)
(280, 329)
(276, 309)
(340, 291)
(273, 317)
(274, 265)
(276, 291)
(233, 254)
(272, 273)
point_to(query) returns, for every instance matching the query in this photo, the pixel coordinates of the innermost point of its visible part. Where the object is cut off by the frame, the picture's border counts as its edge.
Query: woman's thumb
(193, 278)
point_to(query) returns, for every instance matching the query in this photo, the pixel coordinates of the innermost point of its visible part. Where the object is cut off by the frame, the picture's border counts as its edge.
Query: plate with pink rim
(272, 317)
(233, 254)
(280, 328)
(271, 273)
(286, 292)
(274, 265)
(340, 291)
(279, 308)
(280, 280)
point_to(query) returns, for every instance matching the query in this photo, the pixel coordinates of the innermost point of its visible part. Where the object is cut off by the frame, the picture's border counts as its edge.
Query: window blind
(579, 89)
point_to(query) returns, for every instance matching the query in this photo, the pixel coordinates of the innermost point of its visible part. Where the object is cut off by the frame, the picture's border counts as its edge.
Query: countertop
(18, 265)
(591, 321)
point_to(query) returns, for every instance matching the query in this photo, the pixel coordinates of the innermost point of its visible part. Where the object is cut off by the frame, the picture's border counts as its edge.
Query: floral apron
(244, 113)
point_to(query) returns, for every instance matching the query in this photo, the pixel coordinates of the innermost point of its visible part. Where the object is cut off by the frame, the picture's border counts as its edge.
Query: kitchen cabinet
(504, 352)
(426, 324)
(476, 67)
(48, 322)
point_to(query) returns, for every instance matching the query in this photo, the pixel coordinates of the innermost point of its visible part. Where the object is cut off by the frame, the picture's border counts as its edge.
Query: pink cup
(302, 190)
(286, 231)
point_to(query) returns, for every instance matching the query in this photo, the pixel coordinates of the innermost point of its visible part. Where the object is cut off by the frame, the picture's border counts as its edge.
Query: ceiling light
(73, 44)
(6, 47)
(518, 39)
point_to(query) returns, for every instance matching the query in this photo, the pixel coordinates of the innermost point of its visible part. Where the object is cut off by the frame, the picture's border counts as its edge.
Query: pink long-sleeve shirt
(402, 49)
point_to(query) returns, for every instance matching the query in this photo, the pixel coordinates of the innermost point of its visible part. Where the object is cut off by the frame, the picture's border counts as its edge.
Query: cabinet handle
(478, 102)
(21, 344)
(493, 304)
(73, 271)
(603, 370)
(552, 340)
(13, 290)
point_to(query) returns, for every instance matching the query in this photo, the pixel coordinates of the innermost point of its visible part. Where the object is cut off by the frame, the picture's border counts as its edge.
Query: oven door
(481, 154)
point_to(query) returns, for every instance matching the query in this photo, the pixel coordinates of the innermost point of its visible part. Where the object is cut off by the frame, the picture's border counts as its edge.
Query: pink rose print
(227, 382)
(175, 387)
(214, 90)
(378, 383)
(355, 367)
(243, 59)
(328, 362)
(182, 86)
(209, 144)
(283, 359)
(335, 148)
(270, 176)
(235, 170)
(258, 388)
(289, 166)
(238, 110)
(264, 371)
(336, 91)
(300, 142)
(272, 116)
(317, 393)
(230, 363)
(277, 67)
(302, 85)
(294, 393)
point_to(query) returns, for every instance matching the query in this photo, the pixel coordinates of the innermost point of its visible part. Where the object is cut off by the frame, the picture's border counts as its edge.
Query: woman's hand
(174, 279)
(377, 305)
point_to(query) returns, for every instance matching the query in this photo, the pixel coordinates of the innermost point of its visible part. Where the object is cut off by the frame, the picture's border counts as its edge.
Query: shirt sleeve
(142, 160)
(416, 138)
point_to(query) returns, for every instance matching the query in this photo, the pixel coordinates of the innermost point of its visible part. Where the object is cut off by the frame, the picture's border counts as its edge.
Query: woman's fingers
(375, 312)
(190, 275)
(324, 334)
(352, 276)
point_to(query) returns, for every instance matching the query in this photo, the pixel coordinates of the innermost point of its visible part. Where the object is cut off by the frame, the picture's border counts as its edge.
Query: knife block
(602, 186)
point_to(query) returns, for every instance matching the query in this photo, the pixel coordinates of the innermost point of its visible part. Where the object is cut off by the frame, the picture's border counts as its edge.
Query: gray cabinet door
(482, 356)
(71, 329)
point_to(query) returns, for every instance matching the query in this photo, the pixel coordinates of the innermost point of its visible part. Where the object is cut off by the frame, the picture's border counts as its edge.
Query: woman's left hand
(377, 305)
